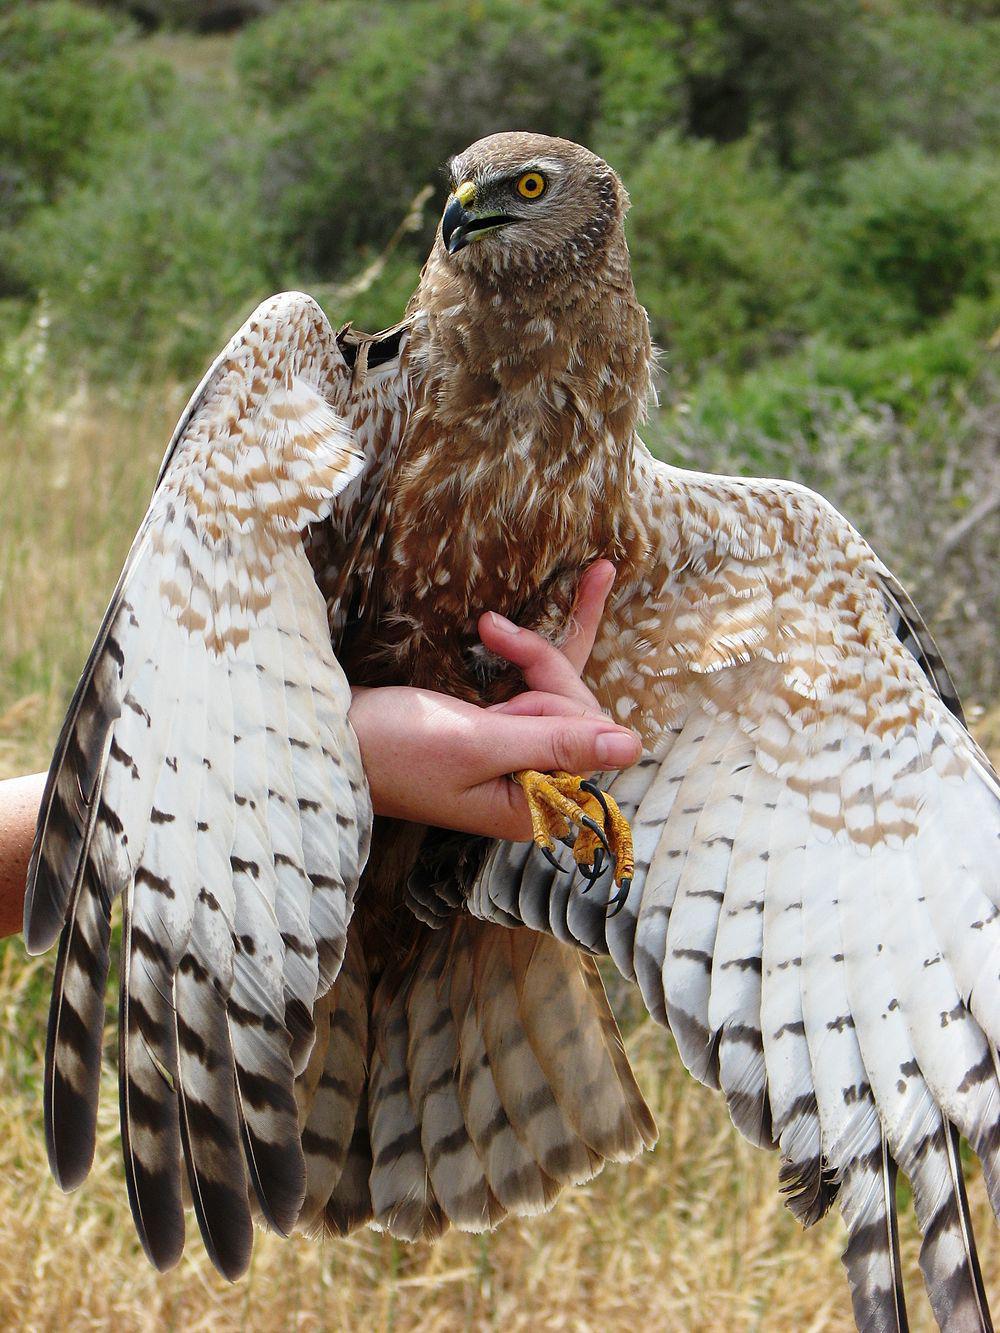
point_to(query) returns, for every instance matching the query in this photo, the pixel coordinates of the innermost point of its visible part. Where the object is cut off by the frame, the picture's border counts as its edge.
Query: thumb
(574, 744)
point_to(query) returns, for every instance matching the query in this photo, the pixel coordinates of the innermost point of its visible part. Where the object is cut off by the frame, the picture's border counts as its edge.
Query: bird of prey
(321, 1028)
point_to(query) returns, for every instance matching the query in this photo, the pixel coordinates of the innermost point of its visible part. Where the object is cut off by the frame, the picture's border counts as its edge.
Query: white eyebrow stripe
(551, 164)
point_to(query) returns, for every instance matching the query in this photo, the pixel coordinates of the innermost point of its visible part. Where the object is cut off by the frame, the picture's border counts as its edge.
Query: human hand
(433, 759)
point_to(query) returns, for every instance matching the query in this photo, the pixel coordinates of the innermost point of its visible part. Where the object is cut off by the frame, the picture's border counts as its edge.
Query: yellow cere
(531, 185)
(465, 193)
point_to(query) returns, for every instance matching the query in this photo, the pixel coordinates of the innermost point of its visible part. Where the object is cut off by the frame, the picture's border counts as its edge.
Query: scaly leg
(560, 802)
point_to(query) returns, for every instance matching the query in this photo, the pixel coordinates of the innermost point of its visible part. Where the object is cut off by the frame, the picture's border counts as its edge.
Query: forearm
(19, 801)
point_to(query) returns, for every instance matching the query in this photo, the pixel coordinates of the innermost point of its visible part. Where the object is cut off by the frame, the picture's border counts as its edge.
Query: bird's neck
(531, 378)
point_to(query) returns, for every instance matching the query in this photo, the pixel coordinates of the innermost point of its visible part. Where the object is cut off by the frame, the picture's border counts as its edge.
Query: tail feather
(453, 1163)
(403, 1198)
(562, 1012)
(497, 1075)
(332, 1084)
(527, 1096)
(513, 1174)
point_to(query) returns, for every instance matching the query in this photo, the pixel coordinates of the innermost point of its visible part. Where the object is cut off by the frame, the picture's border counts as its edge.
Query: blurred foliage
(939, 84)
(822, 166)
(908, 234)
(59, 92)
(200, 16)
(143, 260)
(719, 248)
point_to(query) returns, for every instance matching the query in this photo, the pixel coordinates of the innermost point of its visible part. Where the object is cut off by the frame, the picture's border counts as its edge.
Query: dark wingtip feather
(278, 1175)
(147, 1059)
(47, 895)
(162, 1239)
(42, 924)
(209, 1125)
(70, 1156)
(223, 1212)
(959, 1298)
(74, 1044)
(68, 807)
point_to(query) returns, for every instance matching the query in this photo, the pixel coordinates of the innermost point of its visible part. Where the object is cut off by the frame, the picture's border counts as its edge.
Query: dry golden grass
(694, 1236)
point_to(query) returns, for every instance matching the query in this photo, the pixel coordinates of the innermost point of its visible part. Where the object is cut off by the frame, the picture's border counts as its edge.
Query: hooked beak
(459, 225)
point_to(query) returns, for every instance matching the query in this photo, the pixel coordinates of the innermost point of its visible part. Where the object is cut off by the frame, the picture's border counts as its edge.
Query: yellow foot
(560, 802)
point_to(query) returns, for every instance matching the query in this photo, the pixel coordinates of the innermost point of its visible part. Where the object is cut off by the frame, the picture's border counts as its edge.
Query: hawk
(320, 1028)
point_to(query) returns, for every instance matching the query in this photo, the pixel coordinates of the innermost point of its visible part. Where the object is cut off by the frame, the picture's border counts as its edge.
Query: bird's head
(530, 203)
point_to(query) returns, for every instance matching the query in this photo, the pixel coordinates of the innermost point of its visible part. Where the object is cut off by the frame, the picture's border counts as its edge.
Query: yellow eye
(531, 185)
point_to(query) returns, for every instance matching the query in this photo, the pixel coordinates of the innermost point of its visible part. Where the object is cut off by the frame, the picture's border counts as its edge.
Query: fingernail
(503, 624)
(615, 747)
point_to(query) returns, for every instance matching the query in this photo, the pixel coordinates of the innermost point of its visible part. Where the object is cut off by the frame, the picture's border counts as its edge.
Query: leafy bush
(636, 49)
(718, 249)
(369, 99)
(58, 92)
(938, 84)
(153, 261)
(787, 73)
(912, 234)
(778, 398)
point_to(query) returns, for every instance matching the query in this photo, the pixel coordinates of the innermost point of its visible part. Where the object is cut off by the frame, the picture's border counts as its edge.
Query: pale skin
(430, 758)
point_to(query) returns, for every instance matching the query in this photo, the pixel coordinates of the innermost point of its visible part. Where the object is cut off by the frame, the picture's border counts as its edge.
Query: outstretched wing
(207, 773)
(815, 908)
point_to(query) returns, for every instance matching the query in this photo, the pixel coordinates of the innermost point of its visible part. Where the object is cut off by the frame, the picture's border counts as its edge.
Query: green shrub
(912, 233)
(788, 73)
(369, 99)
(197, 15)
(939, 85)
(778, 398)
(718, 250)
(59, 93)
(152, 262)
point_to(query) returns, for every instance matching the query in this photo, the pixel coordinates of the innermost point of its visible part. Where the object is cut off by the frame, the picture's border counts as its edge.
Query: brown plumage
(418, 1037)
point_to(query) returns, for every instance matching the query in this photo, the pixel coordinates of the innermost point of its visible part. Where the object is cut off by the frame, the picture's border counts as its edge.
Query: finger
(574, 744)
(538, 703)
(544, 668)
(591, 596)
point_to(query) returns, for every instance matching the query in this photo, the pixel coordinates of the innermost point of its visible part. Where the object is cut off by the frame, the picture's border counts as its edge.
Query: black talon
(620, 899)
(549, 857)
(592, 789)
(592, 873)
(598, 832)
